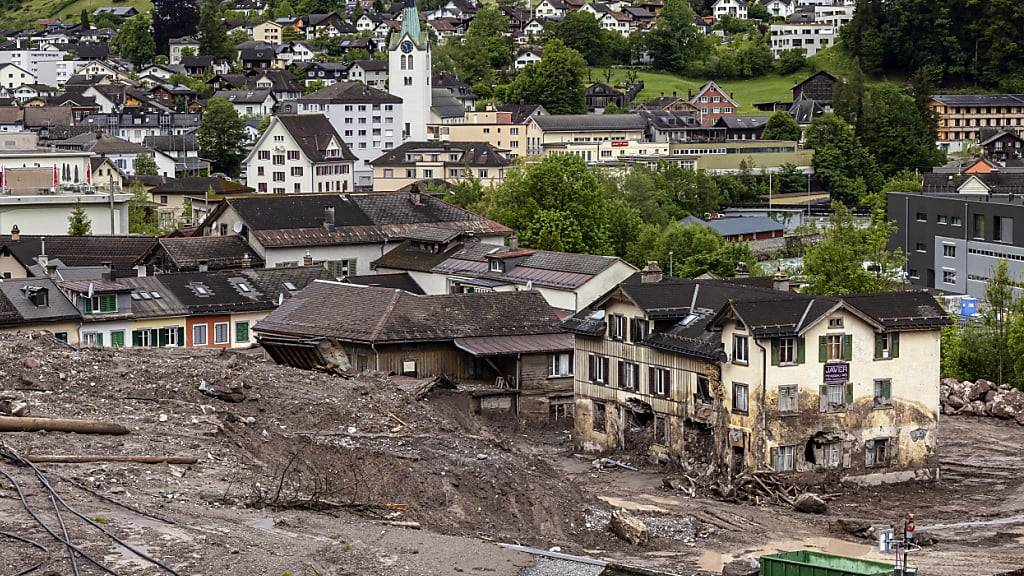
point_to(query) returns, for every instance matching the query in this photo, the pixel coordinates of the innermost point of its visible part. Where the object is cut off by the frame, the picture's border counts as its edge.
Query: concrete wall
(68, 327)
(48, 215)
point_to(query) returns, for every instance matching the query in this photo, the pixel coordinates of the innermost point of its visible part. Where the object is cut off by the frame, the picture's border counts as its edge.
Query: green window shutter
(849, 393)
(823, 397)
(800, 352)
(887, 389)
(136, 337)
(108, 303)
(117, 339)
(775, 351)
(154, 337)
(895, 344)
(822, 348)
(847, 347)
(99, 338)
(241, 331)
(878, 345)
(87, 307)
(164, 337)
(181, 336)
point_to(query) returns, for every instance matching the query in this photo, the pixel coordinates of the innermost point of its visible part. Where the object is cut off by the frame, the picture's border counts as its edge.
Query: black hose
(64, 529)
(30, 569)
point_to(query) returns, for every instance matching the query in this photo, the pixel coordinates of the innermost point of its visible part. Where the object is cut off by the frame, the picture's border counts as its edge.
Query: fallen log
(84, 458)
(28, 424)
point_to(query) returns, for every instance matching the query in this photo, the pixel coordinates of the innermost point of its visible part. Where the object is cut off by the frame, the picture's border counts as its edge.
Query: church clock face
(406, 46)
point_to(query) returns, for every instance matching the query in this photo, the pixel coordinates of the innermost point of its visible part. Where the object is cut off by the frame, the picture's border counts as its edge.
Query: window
(117, 338)
(788, 399)
(560, 364)
(876, 452)
(598, 421)
(103, 303)
(979, 227)
(740, 397)
(887, 345)
(703, 393)
(293, 154)
(949, 276)
(942, 219)
(782, 458)
(278, 159)
(921, 247)
(637, 329)
(242, 331)
(616, 327)
(92, 339)
(296, 170)
(220, 333)
(598, 369)
(629, 375)
(787, 352)
(831, 454)
(61, 336)
(199, 335)
(661, 381)
(834, 396)
(341, 268)
(922, 217)
(834, 351)
(955, 221)
(496, 265)
(1002, 229)
(949, 251)
(883, 392)
(740, 351)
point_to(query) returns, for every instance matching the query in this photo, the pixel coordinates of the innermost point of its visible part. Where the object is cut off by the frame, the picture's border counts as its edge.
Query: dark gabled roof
(350, 92)
(151, 299)
(107, 145)
(804, 110)
(997, 182)
(197, 61)
(820, 73)
(742, 122)
(559, 270)
(383, 315)
(589, 122)
(396, 280)
(251, 289)
(901, 310)
(297, 219)
(314, 133)
(257, 54)
(980, 99)
(602, 89)
(200, 185)
(92, 50)
(172, 143)
(990, 135)
(671, 119)
(372, 65)
(217, 252)
(445, 105)
(16, 308)
(472, 153)
(735, 226)
(46, 116)
(245, 96)
(281, 80)
(409, 256)
(522, 112)
(121, 251)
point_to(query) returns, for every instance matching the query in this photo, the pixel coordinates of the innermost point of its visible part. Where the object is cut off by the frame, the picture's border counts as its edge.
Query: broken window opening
(599, 419)
(661, 430)
(877, 452)
(639, 429)
(703, 393)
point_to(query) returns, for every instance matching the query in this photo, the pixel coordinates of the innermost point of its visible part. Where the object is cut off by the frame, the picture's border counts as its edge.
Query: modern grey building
(954, 240)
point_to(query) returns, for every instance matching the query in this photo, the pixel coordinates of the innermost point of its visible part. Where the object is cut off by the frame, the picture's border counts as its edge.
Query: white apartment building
(807, 37)
(57, 72)
(299, 153)
(734, 8)
(29, 59)
(368, 120)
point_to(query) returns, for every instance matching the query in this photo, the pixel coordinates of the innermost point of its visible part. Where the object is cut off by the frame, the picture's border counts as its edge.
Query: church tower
(409, 73)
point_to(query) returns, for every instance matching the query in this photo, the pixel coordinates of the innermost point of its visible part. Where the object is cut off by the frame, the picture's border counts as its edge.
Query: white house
(526, 57)
(29, 59)
(250, 102)
(781, 8)
(12, 76)
(549, 9)
(369, 120)
(299, 153)
(373, 73)
(178, 45)
(806, 37)
(734, 8)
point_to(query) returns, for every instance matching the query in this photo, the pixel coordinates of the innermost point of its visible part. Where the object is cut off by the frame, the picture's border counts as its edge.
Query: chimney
(651, 274)
(414, 195)
(15, 233)
(329, 218)
(741, 270)
(307, 260)
(780, 281)
(204, 266)
(42, 259)
(246, 261)
(141, 271)
(513, 241)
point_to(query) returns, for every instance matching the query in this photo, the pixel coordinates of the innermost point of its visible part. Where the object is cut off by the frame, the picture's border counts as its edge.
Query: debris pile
(756, 488)
(982, 398)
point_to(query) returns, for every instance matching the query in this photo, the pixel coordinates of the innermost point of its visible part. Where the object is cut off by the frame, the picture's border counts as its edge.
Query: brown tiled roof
(383, 315)
(314, 133)
(217, 251)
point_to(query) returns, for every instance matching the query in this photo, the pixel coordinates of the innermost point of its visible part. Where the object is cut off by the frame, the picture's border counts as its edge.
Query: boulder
(990, 396)
(955, 402)
(742, 567)
(852, 526)
(950, 383)
(1020, 419)
(978, 408)
(811, 503)
(1007, 405)
(629, 528)
(978, 390)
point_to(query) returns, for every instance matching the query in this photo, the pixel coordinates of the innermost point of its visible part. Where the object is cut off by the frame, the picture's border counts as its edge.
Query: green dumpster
(808, 563)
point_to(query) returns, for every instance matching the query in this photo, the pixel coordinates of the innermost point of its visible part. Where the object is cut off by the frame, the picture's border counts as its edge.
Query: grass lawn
(70, 9)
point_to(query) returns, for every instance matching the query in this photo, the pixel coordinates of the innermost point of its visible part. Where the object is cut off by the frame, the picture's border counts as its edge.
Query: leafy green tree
(849, 93)
(282, 9)
(213, 38)
(145, 165)
(896, 134)
(843, 164)
(790, 61)
(904, 181)
(313, 87)
(581, 31)
(142, 217)
(556, 82)
(998, 303)
(836, 265)
(134, 41)
(758, 11)
(674, 41)
(79, 223)
(790, 179)
(173, 19)
(85, 19)
(557, 201)
(689, 250)
(781, 126)
(221, 136)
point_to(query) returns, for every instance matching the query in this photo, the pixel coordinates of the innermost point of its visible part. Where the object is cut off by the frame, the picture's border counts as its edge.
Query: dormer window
(290, 286)
(497, 266)
(244, 287)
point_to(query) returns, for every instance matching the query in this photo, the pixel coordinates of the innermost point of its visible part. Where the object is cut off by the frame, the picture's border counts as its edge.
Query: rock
(481, 456)
(235, 394)
(979, 408)
(978, 390)
(990, 396)
(1005, 387)
(955, 402)
(1007, 405)
(1020, 419)
(742, 567)
(810, 503)
(629, 528)
(13, 407)
(30, 363)
(852, 526)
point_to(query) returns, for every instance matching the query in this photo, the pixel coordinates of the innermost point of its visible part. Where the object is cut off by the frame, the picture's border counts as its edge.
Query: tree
(674, 41)
(904, 181)
(848, 98)
(790, 61)
(357, 12)
(134, 41)
(896, 134)
(282, 9)
(758, 11)
(689, 250)
(581, 31)
(213, 38)
(556, 82)
(781, 126)
(79, 223)
(999, 299)
(843, 164)
(145, 165)
(173, 18)
(221, 135)
(142, 218)
(85, 19)
(556, 202)
(851, 259)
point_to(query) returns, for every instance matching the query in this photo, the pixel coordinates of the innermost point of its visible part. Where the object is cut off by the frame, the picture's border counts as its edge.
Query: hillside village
(564, 287)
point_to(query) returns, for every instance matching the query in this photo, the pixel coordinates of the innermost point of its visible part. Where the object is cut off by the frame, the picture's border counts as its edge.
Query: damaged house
(755, 378)
(506, 351)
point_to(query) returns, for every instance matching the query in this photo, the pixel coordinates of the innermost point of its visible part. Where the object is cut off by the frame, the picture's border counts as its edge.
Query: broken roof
(383, 315)
(216, 252)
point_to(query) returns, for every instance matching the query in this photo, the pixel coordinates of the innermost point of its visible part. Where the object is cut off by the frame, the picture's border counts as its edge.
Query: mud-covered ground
(309, 473)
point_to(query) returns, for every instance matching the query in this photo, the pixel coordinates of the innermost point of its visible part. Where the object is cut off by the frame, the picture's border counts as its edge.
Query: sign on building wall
(837, 372)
